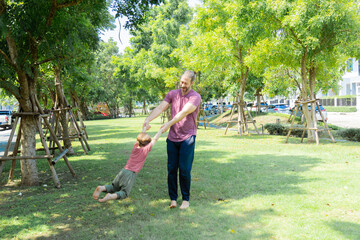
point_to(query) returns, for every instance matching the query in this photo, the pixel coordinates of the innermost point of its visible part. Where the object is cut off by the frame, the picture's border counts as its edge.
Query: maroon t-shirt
(137, 157)
(186, 127)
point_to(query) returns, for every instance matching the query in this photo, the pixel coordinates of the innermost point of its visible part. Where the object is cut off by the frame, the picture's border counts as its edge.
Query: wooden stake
(52, 134)
(15, 152)
(313, 102)
(47, 151)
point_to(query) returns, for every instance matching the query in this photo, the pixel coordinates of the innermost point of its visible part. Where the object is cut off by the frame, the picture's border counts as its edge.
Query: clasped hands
(163, 128)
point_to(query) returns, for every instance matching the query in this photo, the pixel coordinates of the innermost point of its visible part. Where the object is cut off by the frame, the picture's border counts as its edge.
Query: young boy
(124, 181)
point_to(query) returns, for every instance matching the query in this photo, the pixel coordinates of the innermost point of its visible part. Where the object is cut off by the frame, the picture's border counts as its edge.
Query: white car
(279, 108)
(6, 120)
(318, 116)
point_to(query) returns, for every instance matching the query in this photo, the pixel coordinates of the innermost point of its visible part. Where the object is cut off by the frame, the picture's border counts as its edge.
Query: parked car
(6, 120)
(317, 113)
(249, 105)
(228, 107)
(211, 109)
(262, 107)
(279, 108)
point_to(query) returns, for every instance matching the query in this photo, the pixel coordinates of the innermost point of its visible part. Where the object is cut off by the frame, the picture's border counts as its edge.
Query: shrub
(275, 129)
(296, 132)
(331, 126)
(279, 129)
(352, 134)
(93, 116)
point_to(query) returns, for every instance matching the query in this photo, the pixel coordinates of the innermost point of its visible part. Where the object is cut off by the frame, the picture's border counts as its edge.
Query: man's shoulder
(174, 92)
(194, 93)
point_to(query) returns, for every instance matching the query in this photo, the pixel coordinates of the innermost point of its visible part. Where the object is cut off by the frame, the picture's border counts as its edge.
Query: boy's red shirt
(137, 157)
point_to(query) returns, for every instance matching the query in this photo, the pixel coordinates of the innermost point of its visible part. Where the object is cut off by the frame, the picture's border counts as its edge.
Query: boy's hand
(146, 127)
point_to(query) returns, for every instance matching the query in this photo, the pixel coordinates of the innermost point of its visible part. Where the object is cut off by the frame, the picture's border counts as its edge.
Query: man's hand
(146, 126)
(165, 127)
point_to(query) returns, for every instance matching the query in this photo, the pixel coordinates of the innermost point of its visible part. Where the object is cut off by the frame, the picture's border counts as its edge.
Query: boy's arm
(156, 137)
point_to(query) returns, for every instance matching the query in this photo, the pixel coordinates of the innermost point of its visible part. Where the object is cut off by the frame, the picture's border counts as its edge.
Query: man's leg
(186, 159)
(173, 165)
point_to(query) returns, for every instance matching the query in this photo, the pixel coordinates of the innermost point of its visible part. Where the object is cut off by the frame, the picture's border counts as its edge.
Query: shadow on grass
(291, 140)
(244, 175)
(348, 229)
(218, 176)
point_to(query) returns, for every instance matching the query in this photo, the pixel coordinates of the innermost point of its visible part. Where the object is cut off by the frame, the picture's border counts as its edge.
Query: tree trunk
(130, 108)
(304, 89)
(242, 93)
(258, 100)
(62, 104)
(83, 108)
(144, 108)
(79, 103)
(29, 170)
(26, 89)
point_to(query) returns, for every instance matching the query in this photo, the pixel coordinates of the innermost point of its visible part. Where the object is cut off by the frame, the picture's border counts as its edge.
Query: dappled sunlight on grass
(159, 203)
(249, 187)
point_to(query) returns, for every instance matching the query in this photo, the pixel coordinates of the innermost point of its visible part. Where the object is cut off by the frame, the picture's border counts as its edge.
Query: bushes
(276, 129)
(352, 134)
(93, 116)
(280, 129)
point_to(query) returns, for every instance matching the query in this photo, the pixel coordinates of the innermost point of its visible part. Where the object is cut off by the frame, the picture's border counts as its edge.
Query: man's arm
(187, 109)
(154, 114)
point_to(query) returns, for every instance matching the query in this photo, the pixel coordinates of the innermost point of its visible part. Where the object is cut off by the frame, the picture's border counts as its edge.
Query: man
(185, 104)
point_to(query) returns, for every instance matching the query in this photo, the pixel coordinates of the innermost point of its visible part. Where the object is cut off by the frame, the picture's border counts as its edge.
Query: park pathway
(345, 120)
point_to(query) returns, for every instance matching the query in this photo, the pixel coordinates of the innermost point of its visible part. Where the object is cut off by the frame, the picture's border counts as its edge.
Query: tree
(26, 29)
(313, 40)
(220, 37)
(134, 10)
(153, 43)
(105, 87)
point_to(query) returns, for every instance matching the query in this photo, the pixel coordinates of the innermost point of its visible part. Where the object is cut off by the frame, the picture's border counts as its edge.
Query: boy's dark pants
(180, 156)
(122, 183)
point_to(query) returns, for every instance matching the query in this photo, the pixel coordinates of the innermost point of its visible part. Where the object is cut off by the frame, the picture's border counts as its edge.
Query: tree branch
(296, 37)
(69, 4)
(291, 30)
(2, 6)
(8, 60)
(55, 7)
(10, 87)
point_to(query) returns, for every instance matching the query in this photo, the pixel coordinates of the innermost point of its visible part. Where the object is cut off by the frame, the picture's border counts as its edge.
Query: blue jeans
(180, 157)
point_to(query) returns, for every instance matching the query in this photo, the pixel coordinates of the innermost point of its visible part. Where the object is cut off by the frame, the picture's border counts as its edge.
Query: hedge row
(280, 129)
(351, 134)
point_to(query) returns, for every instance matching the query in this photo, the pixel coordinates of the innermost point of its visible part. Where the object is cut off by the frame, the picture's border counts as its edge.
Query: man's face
(185, 84)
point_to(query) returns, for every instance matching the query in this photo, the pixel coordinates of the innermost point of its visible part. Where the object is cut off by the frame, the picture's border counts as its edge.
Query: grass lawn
(250, 187)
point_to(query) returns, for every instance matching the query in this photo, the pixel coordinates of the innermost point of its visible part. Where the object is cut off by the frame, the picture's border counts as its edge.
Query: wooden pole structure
(304, 106)
(243, 117)
(204, 120)
(53, 135)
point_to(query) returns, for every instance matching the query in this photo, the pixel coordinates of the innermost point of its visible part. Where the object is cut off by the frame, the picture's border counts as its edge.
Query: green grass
(250, 187)
(340, 109)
